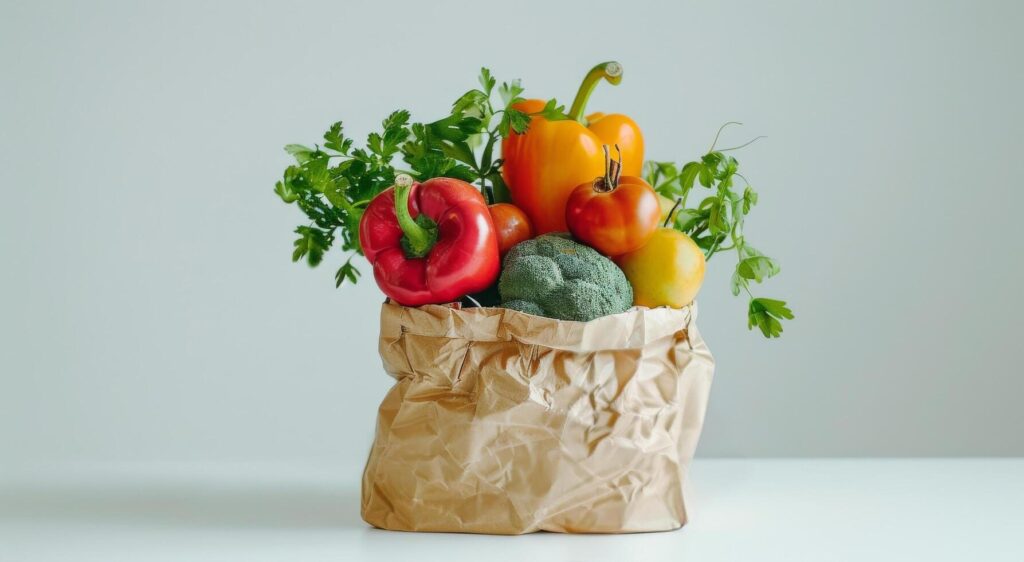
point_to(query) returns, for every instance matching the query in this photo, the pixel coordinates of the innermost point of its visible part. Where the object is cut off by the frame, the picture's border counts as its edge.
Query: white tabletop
(864, 510)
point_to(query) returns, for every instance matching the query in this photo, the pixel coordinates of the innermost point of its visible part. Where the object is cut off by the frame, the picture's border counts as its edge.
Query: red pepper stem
(420, 240)
(610, 71)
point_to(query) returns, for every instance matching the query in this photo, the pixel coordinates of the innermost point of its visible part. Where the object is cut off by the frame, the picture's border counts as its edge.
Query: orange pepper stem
(419, 238)
(610, 71)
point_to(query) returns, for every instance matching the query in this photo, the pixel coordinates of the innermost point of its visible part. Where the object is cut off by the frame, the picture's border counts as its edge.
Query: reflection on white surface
(740, 510)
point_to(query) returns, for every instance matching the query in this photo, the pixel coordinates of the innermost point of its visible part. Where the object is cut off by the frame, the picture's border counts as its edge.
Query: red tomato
(613, 219)
(511, 224)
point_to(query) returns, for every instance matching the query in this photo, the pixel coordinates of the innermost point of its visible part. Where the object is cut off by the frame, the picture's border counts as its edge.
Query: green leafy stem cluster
(332, 183)
(716, 224)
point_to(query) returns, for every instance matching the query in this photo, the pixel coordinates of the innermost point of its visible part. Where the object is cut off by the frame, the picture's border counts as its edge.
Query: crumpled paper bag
(506, 423)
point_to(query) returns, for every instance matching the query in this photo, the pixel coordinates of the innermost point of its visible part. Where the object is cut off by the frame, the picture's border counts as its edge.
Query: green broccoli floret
(555, 277)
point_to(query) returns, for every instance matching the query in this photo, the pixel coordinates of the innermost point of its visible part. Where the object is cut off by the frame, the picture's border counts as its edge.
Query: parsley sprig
(716, 224)
(333, 182)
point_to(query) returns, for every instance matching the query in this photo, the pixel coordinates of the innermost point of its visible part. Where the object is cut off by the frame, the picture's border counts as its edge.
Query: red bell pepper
(430, 242)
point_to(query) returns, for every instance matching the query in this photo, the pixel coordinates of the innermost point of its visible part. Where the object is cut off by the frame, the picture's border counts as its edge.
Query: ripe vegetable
(511, 224)
(667, 271)
(613, 214)
(547, 153)
(333, 181)
(555, 277)
(545, 163)
(431, 242)
(716, 223)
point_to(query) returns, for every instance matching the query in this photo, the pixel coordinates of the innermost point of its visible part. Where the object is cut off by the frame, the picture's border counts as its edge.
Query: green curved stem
(610, 71)
(418, 239)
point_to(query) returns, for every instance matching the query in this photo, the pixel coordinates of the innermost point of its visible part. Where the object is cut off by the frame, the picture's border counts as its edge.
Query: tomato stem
(610, 71)
(419, 237)
(612, 171)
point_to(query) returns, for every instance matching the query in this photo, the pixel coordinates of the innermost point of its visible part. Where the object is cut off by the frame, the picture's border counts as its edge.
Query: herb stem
(748, 143)
(720, 129)
(711, 250)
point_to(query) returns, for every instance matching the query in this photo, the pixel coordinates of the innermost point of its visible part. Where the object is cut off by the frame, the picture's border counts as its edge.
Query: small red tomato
(613, 214)
(511, 224)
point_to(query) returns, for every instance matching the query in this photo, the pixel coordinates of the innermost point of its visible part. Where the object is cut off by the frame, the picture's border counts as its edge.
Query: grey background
(149, 311)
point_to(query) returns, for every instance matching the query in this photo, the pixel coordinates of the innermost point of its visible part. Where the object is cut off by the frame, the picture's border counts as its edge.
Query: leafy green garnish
(765, 314)
(718, 219)
(333, 182)
(346, 272)
(312, 244)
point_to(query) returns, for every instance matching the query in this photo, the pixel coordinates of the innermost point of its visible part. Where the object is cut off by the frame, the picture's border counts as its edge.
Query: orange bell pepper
(543, 165)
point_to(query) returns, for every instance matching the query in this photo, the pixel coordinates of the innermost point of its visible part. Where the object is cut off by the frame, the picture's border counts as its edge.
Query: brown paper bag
(507, 423)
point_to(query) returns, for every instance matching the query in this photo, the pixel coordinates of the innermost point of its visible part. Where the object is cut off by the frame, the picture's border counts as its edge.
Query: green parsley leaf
(487, 81)
(335, 192)
(718, 221)
(315, 172)
(285, 192)
(749, 199)
(455, 127)
(667, 169)
(552, 111)
(397, 119)
(347, 272)
(312, 244)
(471, 99)
(688, 219)
(737, 283)
(757, 268)
(509, 92)
(747, 251)
(688, 175)
(515, 120)
(335, 140)
(705, 175)
(719, 165)
(765, 314)
(301, 153)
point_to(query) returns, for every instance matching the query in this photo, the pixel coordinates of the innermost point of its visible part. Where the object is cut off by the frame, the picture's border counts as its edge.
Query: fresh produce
(545, 163)
(666, 271)
(613, 213)
(332, 183)
(511, 224)
(556, 277)
(546, 154)
(431, 242)
(716, 224)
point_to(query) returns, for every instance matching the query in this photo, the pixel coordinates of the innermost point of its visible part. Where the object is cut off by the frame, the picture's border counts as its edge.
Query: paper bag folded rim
(506, 423)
